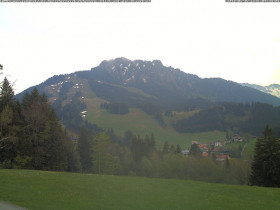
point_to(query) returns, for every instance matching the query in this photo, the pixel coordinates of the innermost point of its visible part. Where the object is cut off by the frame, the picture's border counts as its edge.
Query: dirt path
(6, 206)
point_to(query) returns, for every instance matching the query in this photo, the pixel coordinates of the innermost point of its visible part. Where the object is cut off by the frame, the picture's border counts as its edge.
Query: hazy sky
(234, 41)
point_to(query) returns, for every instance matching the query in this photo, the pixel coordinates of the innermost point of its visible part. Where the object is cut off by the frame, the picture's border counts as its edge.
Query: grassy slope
(55, 190)
(141, 124)
(248, 152)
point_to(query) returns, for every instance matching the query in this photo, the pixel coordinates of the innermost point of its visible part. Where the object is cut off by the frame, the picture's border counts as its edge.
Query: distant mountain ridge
(172, 86)
(169, 87)
(273, 89)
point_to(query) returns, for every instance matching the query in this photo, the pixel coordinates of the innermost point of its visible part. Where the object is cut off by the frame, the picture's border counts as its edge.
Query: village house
(218, 143)
(237, 138)
(204, 154)
(203, 147)
(222, 157)
(186, 152)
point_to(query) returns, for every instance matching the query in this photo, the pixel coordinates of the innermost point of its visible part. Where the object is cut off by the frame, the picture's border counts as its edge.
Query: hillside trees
(115, 108)
(8, 128)
(266, 164)
(195, 151)
(31, 135)
(84, 150)
(105, 155)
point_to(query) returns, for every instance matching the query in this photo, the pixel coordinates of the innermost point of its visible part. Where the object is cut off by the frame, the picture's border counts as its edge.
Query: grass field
(60, 190)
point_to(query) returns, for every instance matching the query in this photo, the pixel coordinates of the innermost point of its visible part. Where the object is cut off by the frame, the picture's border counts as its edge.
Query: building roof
(222, 157)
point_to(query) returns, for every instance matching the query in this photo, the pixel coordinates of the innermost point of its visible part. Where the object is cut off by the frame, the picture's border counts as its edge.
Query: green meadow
(61, 190)
(141, 124)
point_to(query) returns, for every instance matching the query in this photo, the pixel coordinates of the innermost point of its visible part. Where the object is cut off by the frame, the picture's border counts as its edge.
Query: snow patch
(144, 80)
(131, 78)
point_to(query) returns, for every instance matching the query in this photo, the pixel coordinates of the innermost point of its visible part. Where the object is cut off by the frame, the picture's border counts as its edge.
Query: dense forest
(247, 118)
(31, 135)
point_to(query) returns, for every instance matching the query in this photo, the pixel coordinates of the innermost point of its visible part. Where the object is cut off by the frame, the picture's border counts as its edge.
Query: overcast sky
(234, 41)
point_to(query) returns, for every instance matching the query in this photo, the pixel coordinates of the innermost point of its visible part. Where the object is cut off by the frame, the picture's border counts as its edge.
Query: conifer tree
(6, 95)
(84, 150)
(266, 164)
(8, 138)
(178, 149)
(195, 151)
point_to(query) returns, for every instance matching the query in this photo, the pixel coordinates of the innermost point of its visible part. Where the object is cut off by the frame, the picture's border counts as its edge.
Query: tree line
(248, 118)
(132, 155)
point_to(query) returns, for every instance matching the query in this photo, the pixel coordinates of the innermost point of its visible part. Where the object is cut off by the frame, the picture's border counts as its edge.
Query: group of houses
(217, 148)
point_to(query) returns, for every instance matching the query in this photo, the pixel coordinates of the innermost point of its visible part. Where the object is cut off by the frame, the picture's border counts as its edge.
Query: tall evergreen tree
(8, 138)
(54, 145)
(178, 149)
(7, 94)
(195, 151)
(84, 150)
(266, 164)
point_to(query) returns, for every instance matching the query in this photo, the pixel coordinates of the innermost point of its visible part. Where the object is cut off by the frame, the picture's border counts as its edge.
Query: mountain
(146, 96)
(273, 89)
(166, 86)
(118, 79)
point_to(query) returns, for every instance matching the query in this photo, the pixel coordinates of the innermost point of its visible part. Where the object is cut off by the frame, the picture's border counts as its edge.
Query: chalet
(203, 147)
(218, 144)
(237, 138)
(222, 157)
(204, 154)
(195, 142)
